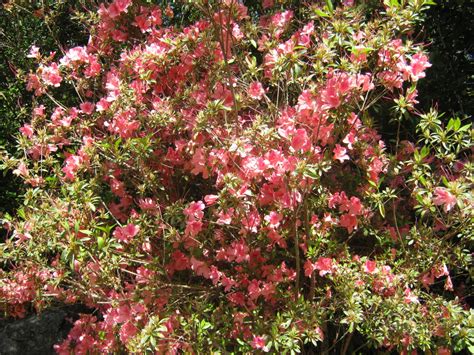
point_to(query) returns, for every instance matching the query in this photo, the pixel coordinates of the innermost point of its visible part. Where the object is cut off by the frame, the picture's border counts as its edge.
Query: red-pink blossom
(274, 219)
(87, 107)
(127, 233)
(256, 90)
(324, 265)
(348, 221)
(370, 267)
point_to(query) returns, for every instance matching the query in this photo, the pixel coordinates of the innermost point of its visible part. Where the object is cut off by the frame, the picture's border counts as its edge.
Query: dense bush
(244, 182)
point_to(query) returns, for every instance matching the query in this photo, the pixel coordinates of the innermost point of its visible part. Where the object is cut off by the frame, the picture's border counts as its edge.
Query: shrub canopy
(232, 178)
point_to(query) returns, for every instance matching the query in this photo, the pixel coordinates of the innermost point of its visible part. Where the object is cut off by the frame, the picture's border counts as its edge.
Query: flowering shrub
(226, 185)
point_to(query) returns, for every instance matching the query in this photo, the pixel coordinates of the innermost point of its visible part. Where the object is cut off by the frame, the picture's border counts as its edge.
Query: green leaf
(321, 13)
(422, 180)
(311, 173)
(445, 181)
(457, 124)
(382, 210)
(424, 151)
(100, 243)
(21, 213)
(330, 6)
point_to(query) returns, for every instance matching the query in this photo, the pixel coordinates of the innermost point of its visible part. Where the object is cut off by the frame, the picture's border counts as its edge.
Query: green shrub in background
(47, 24)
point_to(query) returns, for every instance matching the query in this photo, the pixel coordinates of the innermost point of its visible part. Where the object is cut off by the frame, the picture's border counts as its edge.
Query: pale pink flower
(258, 342)
(27, 130)
(34, 52)
(340, 153)
(410, 297)
(22, 170)
(445, 198)
(51, 75)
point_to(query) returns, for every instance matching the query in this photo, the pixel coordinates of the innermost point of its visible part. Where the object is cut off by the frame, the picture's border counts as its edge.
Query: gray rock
(36, 334)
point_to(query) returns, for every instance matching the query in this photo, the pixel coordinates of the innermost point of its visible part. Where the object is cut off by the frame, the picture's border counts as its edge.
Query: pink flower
(274, 219)
(410, 297)
(258, 342)
(419, 62)
(193, 227)
(147, 204)
(195, 210)
(210, 199)
(444, 197)
(348, 221)
(34, 52)
(340, 153)
(448, 285)
(309, 268)
(117, 7)
(76, 54)
(200, 268)
(39, 111)
(123, 124)
(281, 20)
(370, 267)
(225, 217)
(324, 265)
(300, 140)
(256, 90)
(73, 163)
(87, 107)
(126, 234)
(51, 75)
(267, 4)
(355, 206)
(22, 170)
(444, 351)
(127, 332)
(27, 130)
